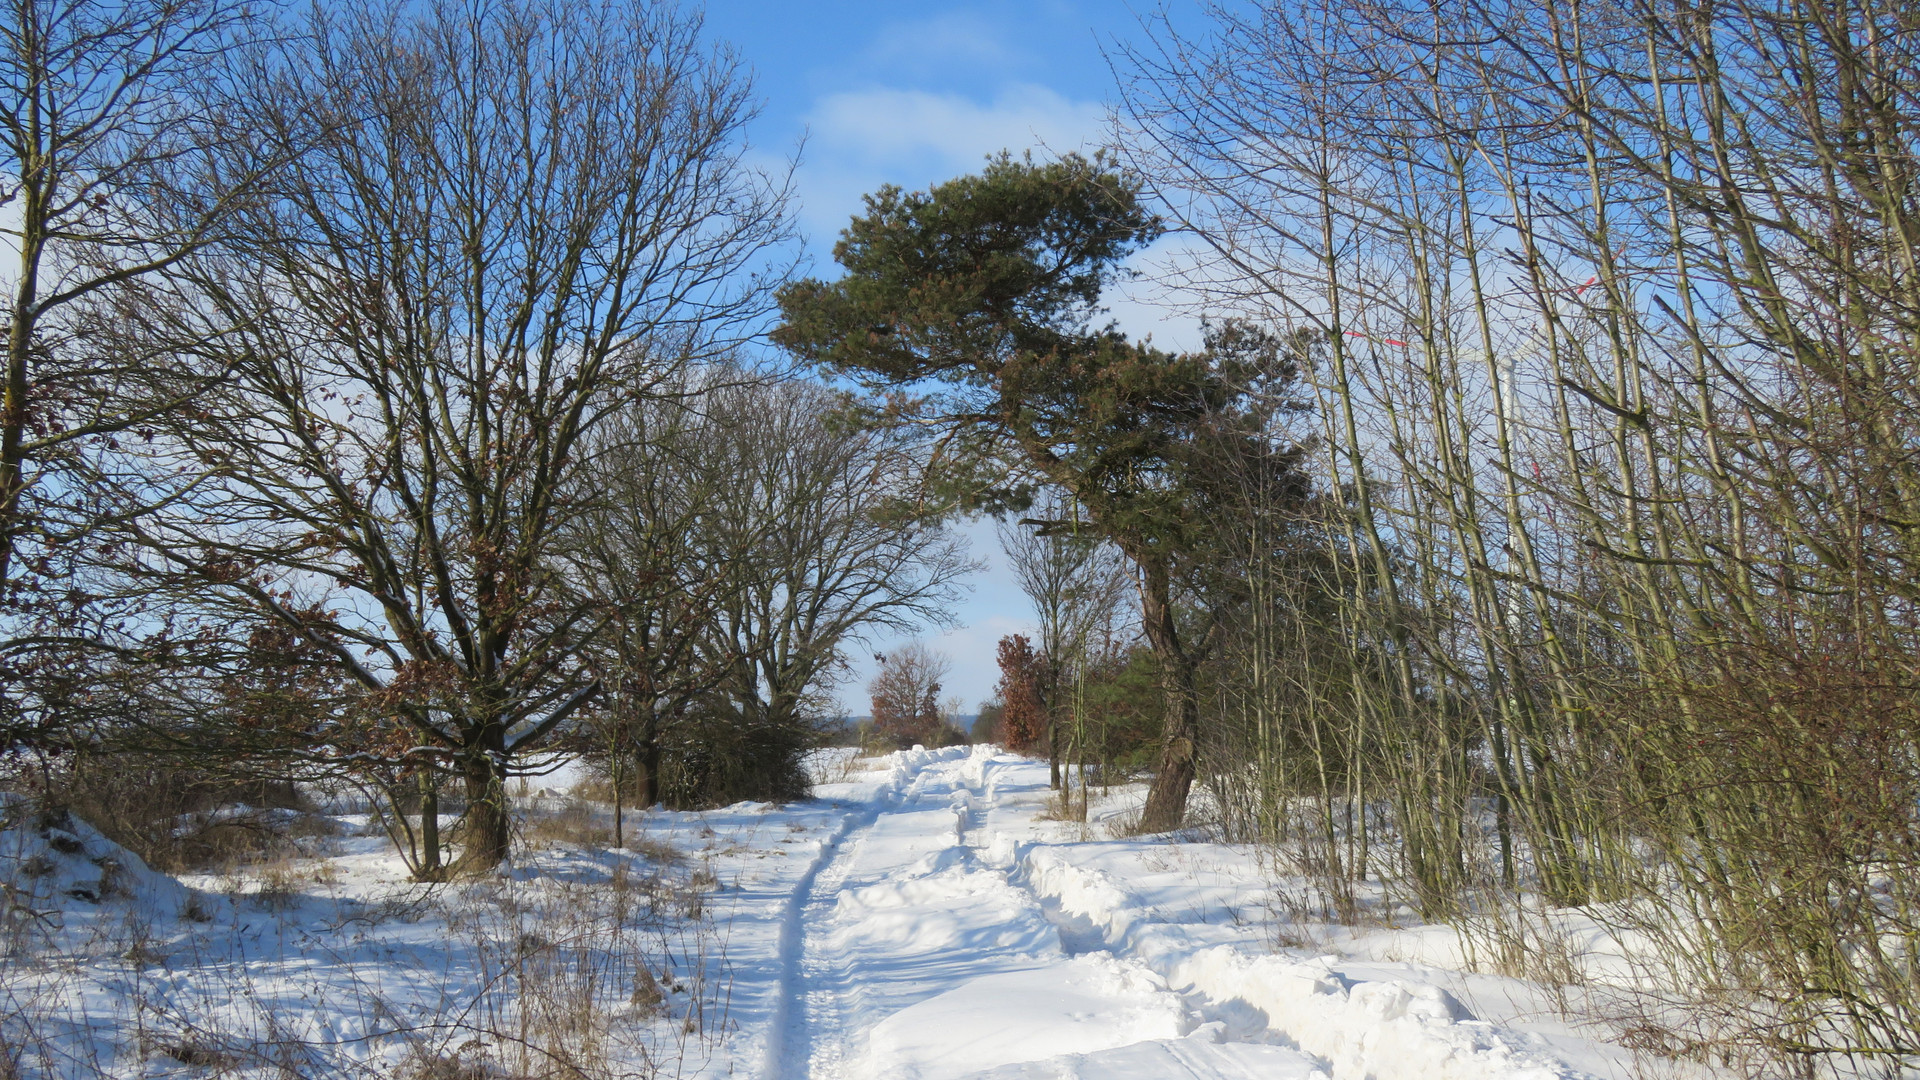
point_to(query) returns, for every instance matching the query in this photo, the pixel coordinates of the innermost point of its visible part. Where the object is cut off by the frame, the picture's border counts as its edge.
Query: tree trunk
(429, 868)
(619, 802)
(488, 830)
(1052, 714)
(1167, 797)
(646, 776)
(13, 403)
(1053, 750)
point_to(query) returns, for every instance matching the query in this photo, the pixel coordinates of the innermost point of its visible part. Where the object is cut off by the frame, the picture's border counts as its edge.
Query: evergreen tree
(972, 308)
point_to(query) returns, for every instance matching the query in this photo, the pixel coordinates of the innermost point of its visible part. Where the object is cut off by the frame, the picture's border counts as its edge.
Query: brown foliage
(906, 695)
(1024, 712)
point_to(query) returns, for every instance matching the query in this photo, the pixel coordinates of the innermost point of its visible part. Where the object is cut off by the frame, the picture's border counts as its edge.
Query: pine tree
(971, 307)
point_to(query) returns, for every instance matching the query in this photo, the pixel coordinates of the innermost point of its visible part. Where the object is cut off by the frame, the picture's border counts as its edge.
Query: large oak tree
(503, 225)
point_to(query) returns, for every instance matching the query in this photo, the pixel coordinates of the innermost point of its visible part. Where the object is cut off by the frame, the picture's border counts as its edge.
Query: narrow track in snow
(938, 935)
(894, 911)
(802, 999)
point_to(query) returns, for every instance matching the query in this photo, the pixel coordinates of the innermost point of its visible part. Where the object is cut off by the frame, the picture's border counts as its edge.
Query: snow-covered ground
(921, 919)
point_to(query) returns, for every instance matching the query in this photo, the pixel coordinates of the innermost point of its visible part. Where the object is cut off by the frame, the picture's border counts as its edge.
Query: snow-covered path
(913, 952)
(945, 931)
(899, 911)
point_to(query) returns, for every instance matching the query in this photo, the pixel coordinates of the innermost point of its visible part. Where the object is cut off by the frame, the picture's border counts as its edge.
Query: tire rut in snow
(812, 991)
(899, 913)
(801, 997)
(1235, 1021)
(822, 987)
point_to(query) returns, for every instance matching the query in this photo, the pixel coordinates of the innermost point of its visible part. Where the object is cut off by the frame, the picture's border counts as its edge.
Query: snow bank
(932, 907)
(1367, 1029)
(1363, 1029)
(1196, 1057)
(60, 873)
(1088, 1004)
(1091, 895)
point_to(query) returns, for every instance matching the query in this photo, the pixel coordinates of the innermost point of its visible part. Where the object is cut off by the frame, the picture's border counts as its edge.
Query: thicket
(1610, 317)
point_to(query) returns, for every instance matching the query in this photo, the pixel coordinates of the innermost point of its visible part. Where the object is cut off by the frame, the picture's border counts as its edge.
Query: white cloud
(886, 125)
(861, 140)
(1152, 305)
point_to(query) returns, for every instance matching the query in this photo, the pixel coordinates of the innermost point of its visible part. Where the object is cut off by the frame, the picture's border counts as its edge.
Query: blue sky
(913, 94)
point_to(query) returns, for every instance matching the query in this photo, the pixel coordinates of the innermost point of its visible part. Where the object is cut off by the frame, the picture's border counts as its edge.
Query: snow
(50, 860)
(1080, 1006)
(923, 918)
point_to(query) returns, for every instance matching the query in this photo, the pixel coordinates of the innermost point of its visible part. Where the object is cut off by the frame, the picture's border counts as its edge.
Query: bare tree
(1077, 584)
(745, 532)
(648, 555)
(1614, 316)
(906, 694)
(502, 227)
(113, 117)
(844, 548)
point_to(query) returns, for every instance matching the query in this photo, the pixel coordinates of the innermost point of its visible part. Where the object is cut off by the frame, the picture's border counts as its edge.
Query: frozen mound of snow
(1091, 895)
(1196, 1057)
(1083, 1006)
(56, 870)
(1397, 1027)
(942, 907)
(1361, 1028)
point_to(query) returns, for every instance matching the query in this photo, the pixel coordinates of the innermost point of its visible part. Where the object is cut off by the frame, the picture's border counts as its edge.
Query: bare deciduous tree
(1077, 584)
(1614, 314)
(502, 228)
(843, 548)
(744, 533)
(118, 159)
(648, 556)
(906, 694)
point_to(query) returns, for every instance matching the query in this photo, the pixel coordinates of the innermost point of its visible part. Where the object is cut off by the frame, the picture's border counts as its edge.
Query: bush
(175, 817)
(986, 725)
(716, 758)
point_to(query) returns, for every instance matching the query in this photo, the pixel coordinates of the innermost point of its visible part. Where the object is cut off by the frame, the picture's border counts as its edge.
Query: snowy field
(923, 918)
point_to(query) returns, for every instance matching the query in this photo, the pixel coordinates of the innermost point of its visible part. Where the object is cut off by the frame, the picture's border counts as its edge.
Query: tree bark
(1053, 751)
(646, 784)
(488, 830)
(429, 869)
(1167, 797)
(13, 406)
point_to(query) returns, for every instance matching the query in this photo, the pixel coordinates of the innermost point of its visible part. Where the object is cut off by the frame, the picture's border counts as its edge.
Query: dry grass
(577, 824)
(657, 851)
(560, 979)
(278, 889)
(182, 819)
(839, 765)
(1062, 805)
(577, 977)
